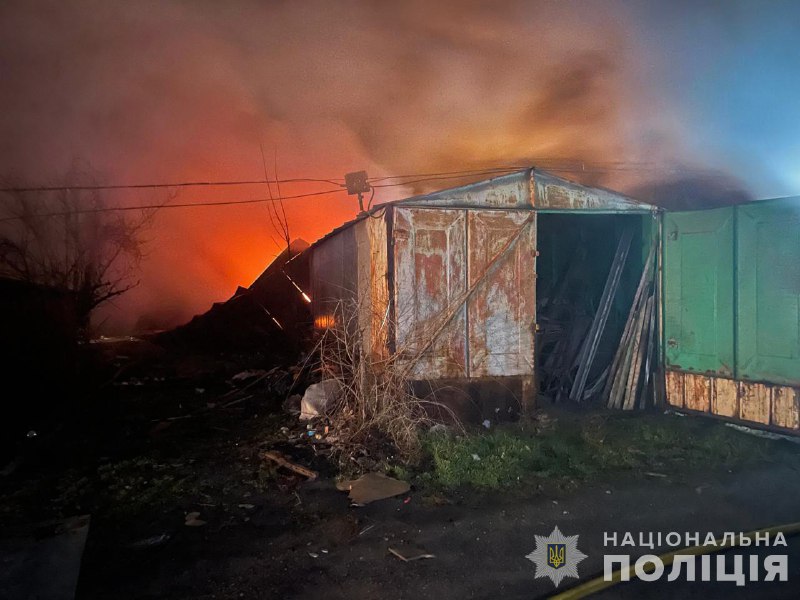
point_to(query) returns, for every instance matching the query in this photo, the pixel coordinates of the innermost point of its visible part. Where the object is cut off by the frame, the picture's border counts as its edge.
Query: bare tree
(275, 209)
(70, 239)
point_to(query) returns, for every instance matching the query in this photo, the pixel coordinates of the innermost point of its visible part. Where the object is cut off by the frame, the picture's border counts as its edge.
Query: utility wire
(582, 167)
(549, 164)
(177, 184)
(182, 205)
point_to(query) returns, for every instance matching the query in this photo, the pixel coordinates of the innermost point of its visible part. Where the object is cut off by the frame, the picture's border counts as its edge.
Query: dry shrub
(375, 412)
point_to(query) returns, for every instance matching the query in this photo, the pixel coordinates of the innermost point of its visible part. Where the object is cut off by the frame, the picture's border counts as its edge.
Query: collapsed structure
(531, 283)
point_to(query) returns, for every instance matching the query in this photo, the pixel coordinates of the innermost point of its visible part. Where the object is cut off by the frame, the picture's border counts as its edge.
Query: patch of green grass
(579, 448)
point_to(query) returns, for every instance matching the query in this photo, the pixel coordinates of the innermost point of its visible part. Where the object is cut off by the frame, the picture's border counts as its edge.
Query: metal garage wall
(465, 291)
(501, 315)
(333, 276)
(768, 303)
(698, 300)
(732, 312)
(430, 278)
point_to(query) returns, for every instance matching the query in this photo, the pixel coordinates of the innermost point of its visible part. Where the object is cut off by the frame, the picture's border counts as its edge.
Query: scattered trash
(652, 474)
(155, 540)
(407, 555)
(317, 397)
(31, 434)
(763, 434)
(438, 428)
(313, 555)
(247, 506)
(249, 374)
(373, 486)
(487, 423)
(674, 413)
(407, 500)
(292, 403)
(282, 462)
(476, 457)
(199, 390)
(366, 529)
(193, 520)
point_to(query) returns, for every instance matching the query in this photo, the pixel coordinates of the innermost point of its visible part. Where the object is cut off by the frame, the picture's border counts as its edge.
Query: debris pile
(365, 399)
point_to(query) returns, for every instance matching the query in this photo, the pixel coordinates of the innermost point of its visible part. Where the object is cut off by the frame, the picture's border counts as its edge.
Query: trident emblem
(556, 555)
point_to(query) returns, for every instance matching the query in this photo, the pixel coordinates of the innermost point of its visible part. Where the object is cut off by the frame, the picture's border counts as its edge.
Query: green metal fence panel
(768, 287)
(698, 291)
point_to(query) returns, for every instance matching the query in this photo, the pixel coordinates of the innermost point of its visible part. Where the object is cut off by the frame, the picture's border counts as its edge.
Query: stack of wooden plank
(590, 345)
(630, 383)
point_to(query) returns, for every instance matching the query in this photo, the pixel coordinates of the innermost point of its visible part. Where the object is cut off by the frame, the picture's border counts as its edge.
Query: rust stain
(675, 384)
(429, 267)
(785, 411)
(553, 192)
(697, 390)
(500, 336)
(724, 397)
(755, 402)
(761, 403)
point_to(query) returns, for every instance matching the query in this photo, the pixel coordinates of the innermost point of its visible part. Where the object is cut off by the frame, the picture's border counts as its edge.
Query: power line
(182, 205)
(580, 167)
(177, 184)
(551, 164)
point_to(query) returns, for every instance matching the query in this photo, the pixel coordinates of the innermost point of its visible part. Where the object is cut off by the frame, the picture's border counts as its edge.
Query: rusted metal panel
(430, 269)
(372, 272)
(333, 276)
(697, 392)
(501, 314)
(754, 402)
(725, 397)
(554, 193)
(507, 191)
(785, 412)
(674, 384)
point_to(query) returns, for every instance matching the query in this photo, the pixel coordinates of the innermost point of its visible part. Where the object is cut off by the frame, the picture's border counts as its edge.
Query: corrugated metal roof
(506, 191)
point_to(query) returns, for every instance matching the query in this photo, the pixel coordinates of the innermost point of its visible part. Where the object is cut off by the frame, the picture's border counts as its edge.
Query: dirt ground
(267, 534)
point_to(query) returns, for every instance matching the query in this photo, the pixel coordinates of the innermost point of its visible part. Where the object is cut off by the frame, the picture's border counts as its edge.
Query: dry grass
(375, 412)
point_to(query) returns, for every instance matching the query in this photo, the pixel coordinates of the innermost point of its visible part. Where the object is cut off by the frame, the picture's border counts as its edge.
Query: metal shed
(450, 280)
(454, 274)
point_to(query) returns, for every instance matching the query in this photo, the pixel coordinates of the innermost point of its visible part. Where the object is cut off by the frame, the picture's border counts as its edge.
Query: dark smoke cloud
(693, 192)
(188, 90)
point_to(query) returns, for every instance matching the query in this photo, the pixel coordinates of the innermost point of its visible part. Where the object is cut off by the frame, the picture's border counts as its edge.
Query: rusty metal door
(430, 277)
(465, 291)
(501, 314)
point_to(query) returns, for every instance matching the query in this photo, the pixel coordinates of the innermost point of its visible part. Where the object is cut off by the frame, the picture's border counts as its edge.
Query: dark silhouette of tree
(69, 239)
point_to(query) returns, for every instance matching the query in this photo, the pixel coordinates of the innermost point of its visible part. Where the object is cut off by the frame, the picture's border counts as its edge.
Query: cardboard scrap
(373, 486)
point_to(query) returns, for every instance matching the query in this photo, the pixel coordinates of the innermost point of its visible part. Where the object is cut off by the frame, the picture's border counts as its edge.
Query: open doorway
(576, 253)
